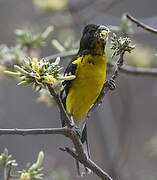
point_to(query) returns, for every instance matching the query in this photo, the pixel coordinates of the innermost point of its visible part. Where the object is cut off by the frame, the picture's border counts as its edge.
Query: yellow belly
(86, 87)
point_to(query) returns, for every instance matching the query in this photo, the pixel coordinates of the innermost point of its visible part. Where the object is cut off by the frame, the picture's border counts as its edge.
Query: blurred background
(122, 132)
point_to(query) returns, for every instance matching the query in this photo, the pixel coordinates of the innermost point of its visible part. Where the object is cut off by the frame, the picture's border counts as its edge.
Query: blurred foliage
(26, 38)
(2, 69)
(31, 171)
(69, 44)
(142, 56)
(124, 28)
(51, 5)
(27, 43)
(46, 98)
(151, 146)
(12, 55)
(6, 159)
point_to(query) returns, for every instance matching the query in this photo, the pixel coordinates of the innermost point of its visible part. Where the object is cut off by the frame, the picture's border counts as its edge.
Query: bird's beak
(104, 32)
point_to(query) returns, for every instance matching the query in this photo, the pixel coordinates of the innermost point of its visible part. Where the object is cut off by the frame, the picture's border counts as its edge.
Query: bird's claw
(111, 84)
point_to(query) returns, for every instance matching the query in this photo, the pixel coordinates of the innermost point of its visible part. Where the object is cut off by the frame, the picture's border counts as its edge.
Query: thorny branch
(140, 24)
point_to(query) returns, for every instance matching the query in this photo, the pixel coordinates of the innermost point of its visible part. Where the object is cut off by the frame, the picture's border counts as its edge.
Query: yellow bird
(89, 67)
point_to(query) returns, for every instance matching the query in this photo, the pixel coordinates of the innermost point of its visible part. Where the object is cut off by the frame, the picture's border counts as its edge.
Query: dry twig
(140, 24)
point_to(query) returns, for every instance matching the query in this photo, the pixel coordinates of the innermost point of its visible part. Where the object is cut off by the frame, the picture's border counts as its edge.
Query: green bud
(18, 68)
(57, 61)
(58, 45)
(23, 83)
(66, 77)
(39, 161)
(47, 32)
(12, 74)
(25, 176)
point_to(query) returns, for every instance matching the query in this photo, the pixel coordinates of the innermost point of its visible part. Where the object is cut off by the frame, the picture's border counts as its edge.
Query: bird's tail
(81, 169)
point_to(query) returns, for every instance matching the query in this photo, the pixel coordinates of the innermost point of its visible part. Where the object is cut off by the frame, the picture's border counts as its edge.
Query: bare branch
(89, 163)
(40, 131)
(142, 25)
(78, 155)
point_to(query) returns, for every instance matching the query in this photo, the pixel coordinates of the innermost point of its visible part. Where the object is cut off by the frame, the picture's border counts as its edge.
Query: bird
(80, 94)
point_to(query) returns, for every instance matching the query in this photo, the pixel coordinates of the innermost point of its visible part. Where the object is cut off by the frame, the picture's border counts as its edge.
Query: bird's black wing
(70, 70)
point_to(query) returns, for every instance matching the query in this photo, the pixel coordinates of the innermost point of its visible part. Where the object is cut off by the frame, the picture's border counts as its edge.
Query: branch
(142, 25)
(40, 131)
(70, 133)
(88, 163)
(124, 69)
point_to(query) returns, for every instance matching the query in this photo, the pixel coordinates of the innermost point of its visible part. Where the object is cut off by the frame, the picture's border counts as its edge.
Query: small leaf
(12, 74)
(58, 45)
(18, 68)
(57, 61)
(47, 32)
(66, 77)
(23, 83)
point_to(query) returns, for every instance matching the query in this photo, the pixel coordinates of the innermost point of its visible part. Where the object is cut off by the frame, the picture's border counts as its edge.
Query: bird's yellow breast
(86, 87)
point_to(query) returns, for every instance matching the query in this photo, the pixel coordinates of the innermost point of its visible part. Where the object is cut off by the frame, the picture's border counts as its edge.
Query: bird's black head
(94, 39)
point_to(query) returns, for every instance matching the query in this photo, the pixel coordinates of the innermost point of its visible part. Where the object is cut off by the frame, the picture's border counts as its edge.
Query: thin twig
(140, 24)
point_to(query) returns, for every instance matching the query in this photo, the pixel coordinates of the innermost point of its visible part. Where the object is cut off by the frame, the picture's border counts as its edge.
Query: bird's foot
(111, 84)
